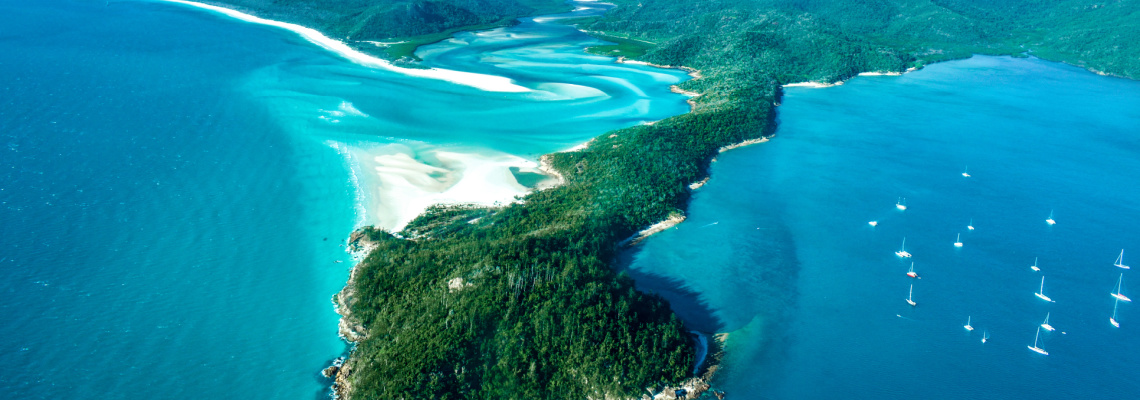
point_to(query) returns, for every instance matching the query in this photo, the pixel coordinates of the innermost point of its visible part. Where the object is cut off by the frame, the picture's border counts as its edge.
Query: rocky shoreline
(699, 385)
(349, 327)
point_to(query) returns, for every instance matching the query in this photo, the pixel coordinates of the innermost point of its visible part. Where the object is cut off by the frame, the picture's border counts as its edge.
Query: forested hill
(411, 22)
(825, 40)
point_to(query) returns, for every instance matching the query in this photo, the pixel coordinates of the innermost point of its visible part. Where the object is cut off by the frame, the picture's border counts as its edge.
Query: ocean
(778, 250)
(176, 185)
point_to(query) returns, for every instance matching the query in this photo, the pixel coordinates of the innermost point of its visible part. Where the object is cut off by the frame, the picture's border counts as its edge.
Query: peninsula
(521, 301)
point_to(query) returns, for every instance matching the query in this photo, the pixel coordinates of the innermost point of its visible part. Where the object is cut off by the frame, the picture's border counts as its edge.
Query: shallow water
(403, 132)
(813, 296)
(175, 185)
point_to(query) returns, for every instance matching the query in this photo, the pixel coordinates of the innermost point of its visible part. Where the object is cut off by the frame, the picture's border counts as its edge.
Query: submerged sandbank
(479, 81)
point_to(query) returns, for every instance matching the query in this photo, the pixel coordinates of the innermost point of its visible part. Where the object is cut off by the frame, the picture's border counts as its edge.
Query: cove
(777, 249)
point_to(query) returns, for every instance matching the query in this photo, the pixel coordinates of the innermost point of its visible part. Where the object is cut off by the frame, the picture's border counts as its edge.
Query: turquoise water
(367, 112)
(778, 251)
(175, 185)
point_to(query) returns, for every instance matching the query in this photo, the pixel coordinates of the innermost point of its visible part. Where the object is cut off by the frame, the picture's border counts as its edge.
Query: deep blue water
(161, 237)
(175, 185)
(778, 251)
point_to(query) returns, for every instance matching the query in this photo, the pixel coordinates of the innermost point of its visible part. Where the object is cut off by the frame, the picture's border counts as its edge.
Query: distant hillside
(414, 22)
(795, 40)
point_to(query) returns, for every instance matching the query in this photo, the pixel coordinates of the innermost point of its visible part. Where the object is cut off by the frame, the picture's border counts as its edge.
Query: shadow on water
(738, 274)
(696, 313)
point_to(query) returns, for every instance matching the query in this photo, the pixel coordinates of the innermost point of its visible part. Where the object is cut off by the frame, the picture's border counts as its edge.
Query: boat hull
(1121, 297)
(1038, 350)
(1043, 297)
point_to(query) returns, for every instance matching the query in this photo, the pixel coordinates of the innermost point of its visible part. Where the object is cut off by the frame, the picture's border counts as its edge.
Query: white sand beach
(489, 83)
(398, 182)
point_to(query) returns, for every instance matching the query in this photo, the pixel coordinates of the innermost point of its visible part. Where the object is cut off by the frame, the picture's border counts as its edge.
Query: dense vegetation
(521, 302)
(828, 40)
(402, 25)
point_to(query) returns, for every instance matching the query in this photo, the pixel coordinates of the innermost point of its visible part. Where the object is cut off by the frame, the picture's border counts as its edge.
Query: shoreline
(397, 182)
(694, 73)
(349, 328)
(490, 83)
(821, 85)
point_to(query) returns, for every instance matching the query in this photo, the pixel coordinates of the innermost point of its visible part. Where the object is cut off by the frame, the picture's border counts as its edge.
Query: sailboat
(1041, 292)
(902, 250)
(971, 225)
(1120, 261)
(1050, 220)
(901, 204)
(1034, 346)
(1112, 319)
(985, 336)
(1117, 295)
(968, 326)
(1034, 266)
(911, 273)
(966, 172)
(1046, 325)
(958, 241)
(909, 296)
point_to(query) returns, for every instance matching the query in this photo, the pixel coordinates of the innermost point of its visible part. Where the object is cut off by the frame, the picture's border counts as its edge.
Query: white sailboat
(1034, 346)
(909, 296)
(901, 204)
(1046, 325)
(1050, 220)
(1117, 295)
(971, 225)
(911, 273)
(1034, 266)
(958, 241)
(1112, 319)
(1041, 292)
(902, 250)
(968, 326)
(966, 172)
(1120, 261)
(985, 336)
